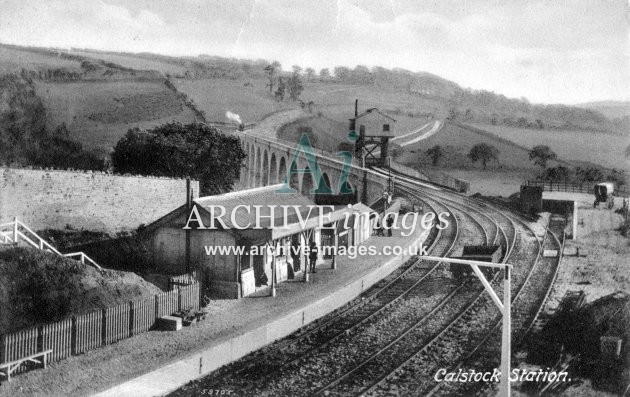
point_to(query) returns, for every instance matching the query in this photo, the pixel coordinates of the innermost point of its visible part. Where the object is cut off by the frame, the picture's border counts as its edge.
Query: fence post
(15, 230)
(3, 343)
(40, 338)
(131, 316)
(73, 337)
(103, 327)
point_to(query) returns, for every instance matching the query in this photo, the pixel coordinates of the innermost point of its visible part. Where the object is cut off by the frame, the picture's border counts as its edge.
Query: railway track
(436, 291)
(528, 302)
(374, 302)
(529, 299)
(410, 323)
(428, 341)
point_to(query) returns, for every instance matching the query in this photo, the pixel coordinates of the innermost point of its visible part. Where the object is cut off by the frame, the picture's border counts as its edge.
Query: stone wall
(87, 200)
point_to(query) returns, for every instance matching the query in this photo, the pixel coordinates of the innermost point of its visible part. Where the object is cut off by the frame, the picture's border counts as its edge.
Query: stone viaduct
(268, 159)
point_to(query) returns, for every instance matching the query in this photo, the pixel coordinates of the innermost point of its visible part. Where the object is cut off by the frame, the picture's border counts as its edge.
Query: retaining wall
(86, 200)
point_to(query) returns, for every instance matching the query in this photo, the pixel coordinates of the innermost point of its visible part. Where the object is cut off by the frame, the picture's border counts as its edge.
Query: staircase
(12, 233)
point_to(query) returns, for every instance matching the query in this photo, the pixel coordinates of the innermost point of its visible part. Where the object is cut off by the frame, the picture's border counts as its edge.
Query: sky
(549, 51)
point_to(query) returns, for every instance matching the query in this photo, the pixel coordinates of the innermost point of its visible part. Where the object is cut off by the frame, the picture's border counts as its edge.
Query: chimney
(189, 194)
(356, 107)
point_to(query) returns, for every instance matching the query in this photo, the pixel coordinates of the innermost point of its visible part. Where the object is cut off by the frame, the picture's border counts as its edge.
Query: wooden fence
(84, 332)
(182, 280)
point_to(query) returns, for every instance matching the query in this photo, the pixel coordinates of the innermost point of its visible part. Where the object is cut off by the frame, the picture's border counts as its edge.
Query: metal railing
(573, 187)
(20, 232)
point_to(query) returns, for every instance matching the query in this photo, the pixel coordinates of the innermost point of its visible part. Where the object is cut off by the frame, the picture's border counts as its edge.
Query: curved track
(393, 337)
(441, 330)
(532, 289)
(414, 275)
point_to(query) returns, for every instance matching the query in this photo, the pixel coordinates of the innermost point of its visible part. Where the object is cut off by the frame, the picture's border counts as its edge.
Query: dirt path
(435, 128)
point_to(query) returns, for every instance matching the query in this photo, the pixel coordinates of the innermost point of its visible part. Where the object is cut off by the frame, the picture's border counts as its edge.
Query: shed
(233, 238)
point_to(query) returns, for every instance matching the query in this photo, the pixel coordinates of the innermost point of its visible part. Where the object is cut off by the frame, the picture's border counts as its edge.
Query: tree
(483, 152)
(280, 91)
(294, 84)
(589, 174)
(342, 72)
(297, 69)
(453, 114)
(618, 176)
(310, 72)
(175, 150)
(555, 174)
(271, 71)
(541, 154)
(345, 147)
(435, 152)
(324, 73)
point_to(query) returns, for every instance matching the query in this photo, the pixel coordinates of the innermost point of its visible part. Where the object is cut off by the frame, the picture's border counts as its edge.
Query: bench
(7, 369)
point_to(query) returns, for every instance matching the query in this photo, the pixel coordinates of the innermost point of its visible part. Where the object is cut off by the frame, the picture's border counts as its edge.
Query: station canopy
(292, 214)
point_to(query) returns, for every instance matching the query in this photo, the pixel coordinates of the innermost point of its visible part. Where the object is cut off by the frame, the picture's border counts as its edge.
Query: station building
(260, 230)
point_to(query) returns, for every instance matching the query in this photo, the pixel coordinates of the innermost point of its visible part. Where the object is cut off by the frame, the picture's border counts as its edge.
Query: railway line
(391, 335)
(484, 355)
(376, 301)
(393, 338)
(529, 301)
(442, 332)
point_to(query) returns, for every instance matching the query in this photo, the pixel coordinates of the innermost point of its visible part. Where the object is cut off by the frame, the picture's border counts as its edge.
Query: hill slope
(610, 109)
(39, 287)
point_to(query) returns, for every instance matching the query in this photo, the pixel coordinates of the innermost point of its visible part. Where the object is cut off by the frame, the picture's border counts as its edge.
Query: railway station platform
(155, 363)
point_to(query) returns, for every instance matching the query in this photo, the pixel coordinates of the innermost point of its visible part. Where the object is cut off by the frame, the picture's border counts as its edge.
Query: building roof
(243, 208)
(246, 207)
(339, 213)
(371, 110)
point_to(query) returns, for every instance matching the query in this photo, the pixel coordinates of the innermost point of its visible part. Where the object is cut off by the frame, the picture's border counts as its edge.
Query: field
(458, 141)
(248, 98)
(99, 111)
(98, 114)
(336, 101)
(13, 60)
(133, 62)
(598, 148)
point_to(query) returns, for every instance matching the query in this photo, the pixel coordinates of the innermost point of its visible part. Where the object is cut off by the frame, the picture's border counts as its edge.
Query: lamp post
(504, 308)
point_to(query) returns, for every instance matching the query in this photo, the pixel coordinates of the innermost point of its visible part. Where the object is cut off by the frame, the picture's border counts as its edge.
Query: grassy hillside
(323, 133)
(99, 113)
(457, 142)
(610, 109)
(603, 149)
(133, 61)
(39, 287)
(14, 59)
(248, 98)
(100, 95)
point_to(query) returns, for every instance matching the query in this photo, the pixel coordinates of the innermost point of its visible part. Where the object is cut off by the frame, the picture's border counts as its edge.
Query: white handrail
(6, 238)
(28, 240)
